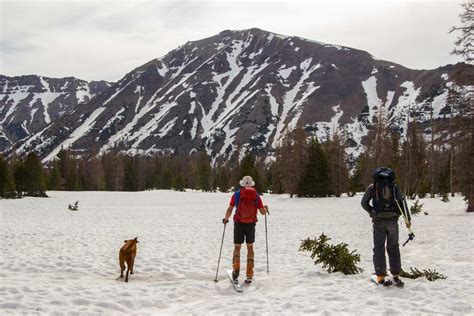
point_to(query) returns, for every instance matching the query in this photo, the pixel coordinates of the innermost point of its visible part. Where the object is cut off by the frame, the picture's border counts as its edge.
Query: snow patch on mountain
(406, 102)
(78, 133)
(13, 99)
(373, 100)
(83, 94)
(286, 72)
(291, 105)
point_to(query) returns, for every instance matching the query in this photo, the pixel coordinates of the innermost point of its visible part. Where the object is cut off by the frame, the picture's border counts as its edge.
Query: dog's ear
(125, 240)
(136, 239)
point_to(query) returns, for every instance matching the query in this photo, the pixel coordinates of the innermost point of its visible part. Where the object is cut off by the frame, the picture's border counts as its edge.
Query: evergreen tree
(336, 258)
(113, 166)
(290, 160)
(179, 183)
(7, 184)
(204, 172)
(248, 167)
(464, 106)
(356, 184)
(130, 174)
(54, 179)
(338, 171)
(414, 169)
(464, 43)
(167, 179)
(19, 176)
(223, 178)
(443, 177)
(35, 183)
(315, 179)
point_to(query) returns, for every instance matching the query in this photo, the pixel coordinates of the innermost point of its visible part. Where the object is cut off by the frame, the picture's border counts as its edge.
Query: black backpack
(383, 190)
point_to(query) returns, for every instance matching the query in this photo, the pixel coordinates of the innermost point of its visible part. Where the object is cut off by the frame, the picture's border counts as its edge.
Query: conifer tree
(19, 176)
(131, 174)
(113, 166)
(222, 178)
(54, 179)
(315, 179)
(414, 163)
(35, 183)
(338, 171)
(248, 167)
(204, 171)
(464, 43)
(179, 184)
(290, 160)
(356, 184)
(463, 105)
(7, 184)
(167, 179)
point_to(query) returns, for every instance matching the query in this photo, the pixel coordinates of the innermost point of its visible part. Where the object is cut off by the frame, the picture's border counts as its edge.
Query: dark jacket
(399, 197)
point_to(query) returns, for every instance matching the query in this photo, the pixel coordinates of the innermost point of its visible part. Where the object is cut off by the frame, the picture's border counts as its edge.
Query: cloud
(107, 39)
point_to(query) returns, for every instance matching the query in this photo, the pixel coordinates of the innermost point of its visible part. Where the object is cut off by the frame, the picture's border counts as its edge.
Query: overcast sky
(103, 40)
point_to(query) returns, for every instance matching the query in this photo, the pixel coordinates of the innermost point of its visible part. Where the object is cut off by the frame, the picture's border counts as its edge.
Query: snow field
(57, 261)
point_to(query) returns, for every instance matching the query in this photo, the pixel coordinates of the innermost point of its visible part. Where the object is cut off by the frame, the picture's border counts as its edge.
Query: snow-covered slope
(29, 103)
(245, 90)
(54, 261)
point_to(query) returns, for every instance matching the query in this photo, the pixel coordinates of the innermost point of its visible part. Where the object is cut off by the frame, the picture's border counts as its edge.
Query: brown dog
(127, 254)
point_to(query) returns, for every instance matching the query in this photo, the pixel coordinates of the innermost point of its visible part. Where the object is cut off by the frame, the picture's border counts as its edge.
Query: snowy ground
(57, 261)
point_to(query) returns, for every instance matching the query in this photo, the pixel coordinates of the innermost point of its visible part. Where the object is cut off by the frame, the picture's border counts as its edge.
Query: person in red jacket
(246, 202)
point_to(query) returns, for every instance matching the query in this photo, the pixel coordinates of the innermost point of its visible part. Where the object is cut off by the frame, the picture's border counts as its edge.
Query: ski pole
(266, 236)
(411, 235)
(220, 252)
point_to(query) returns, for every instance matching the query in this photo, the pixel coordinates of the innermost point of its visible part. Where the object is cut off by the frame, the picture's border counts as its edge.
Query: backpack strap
(237, 198)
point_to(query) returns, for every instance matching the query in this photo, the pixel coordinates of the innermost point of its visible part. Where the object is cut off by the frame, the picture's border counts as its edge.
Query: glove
(225, 221)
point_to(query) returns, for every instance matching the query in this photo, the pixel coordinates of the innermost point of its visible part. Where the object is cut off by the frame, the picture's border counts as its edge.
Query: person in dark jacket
(388, 203)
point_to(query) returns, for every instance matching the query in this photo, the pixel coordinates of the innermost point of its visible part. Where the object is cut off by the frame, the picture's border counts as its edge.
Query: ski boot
(381, 281)
(249, 271)
(235, 275)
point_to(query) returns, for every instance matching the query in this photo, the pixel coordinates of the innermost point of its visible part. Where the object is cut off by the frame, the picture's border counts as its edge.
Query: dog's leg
(133, 263)
(122, 268)
(129, 263)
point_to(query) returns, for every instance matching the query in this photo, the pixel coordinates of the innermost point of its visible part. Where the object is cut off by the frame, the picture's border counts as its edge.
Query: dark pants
(386, 230)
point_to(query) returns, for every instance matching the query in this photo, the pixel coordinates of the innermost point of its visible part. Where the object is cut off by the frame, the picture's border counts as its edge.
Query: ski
(235, 283)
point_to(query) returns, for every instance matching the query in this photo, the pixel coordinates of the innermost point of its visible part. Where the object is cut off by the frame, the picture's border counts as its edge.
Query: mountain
(242, 90)
(29, 103)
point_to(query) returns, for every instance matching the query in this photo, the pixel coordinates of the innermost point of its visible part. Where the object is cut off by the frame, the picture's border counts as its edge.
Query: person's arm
(366, 199)
(262, 208)
(228, 213)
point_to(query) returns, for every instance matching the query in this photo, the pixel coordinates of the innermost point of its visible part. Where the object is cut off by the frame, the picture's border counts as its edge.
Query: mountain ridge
(242, 90)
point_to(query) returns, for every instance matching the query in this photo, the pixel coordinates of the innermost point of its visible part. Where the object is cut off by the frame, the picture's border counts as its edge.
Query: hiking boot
(380, 279)
(235, 275)
(397, 281)
(387, 283)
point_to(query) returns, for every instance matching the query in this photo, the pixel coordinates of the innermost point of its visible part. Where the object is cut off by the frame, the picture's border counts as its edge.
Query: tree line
(302, 165)
(433, 158)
